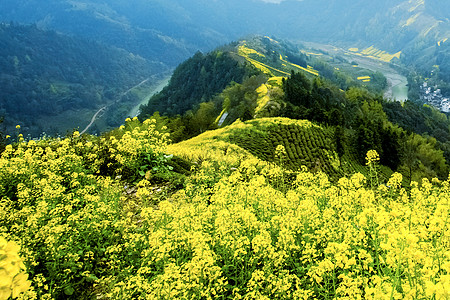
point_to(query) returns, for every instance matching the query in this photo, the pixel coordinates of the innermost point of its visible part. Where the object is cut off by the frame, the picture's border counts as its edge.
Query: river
(397, 83)
(158, 86)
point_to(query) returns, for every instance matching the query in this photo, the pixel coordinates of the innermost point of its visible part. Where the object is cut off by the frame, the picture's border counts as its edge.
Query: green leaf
(91, 278)
(69, 290)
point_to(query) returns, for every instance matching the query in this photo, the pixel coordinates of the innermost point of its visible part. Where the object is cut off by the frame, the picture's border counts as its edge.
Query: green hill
(54, 83)
(304, 144)
(288, 80)
(171, 31)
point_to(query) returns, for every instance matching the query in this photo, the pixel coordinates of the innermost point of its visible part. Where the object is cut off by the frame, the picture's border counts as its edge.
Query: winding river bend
(397, 83)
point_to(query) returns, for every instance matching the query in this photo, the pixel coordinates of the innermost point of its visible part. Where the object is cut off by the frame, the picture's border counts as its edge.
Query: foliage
(138, 148)
(45, 73)
(196, 80)
(421, 119)
(239, 227)
(248, 240)
(240, 101)
(13, 277)
(58, 198)
(3, 137)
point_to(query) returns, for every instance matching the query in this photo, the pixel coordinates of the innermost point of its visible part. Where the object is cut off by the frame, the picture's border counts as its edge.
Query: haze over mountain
(179, 27)
(167, 32)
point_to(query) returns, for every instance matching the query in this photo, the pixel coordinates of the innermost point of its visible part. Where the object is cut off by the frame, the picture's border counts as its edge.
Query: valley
(143, 91)
(397, 83)
(158, 85)
(196, 149)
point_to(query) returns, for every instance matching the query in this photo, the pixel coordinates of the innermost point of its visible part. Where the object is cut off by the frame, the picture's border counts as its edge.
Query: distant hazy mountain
(157, 30)
(171, 30)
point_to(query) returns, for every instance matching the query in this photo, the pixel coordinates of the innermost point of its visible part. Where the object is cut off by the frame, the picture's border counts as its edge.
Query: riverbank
(397, 88)
(397, 83)
(155, 88)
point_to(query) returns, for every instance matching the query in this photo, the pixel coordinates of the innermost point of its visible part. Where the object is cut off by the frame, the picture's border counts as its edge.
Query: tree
(297, 89)
(204, 117)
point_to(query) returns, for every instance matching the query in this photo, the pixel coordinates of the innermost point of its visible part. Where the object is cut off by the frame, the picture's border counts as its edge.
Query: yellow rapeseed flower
(372, 157)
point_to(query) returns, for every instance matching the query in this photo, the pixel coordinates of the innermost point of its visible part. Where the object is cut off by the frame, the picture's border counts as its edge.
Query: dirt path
(93, 119)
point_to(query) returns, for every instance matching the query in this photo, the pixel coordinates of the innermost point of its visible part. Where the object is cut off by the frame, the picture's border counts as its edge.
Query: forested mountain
(44, 73)
(179, 27)
(157, 30)
(283, 79)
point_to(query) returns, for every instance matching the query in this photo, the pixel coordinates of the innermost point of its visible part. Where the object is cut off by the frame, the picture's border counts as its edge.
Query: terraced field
(305, 143)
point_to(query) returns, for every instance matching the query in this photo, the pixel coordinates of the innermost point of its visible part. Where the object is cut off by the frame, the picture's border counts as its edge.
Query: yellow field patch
(243, 50)
(219, 116)
(276, 81)
(442, 41)
(353, 49)
(263, 97)
(311, 71)
(378, 54)
(265, 68)
(314, 54)
(416, 6)
(272, 40)
(363, 77)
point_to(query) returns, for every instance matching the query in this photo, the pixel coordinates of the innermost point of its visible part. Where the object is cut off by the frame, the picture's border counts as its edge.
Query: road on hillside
(102, 109)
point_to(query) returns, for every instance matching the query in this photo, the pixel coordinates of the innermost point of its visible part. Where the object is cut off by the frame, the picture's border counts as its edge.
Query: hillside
(410, 37)
(293, 81)
(46, 76)
(204, 76)
(304, 144)
(156, 30)
(123, 216)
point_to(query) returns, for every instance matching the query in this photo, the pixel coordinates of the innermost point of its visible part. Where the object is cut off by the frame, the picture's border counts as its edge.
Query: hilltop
(282, 79)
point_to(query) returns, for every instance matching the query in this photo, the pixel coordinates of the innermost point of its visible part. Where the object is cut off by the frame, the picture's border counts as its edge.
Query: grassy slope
(306, 144)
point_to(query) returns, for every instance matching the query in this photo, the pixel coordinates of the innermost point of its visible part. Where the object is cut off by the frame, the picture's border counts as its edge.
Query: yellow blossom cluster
(65, 214)
(372, 157)
(238, 228)
(245, 239)
(137, 144)
(13, 278)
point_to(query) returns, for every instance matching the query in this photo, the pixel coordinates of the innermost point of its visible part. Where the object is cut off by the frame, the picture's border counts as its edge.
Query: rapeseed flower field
(238, 228)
